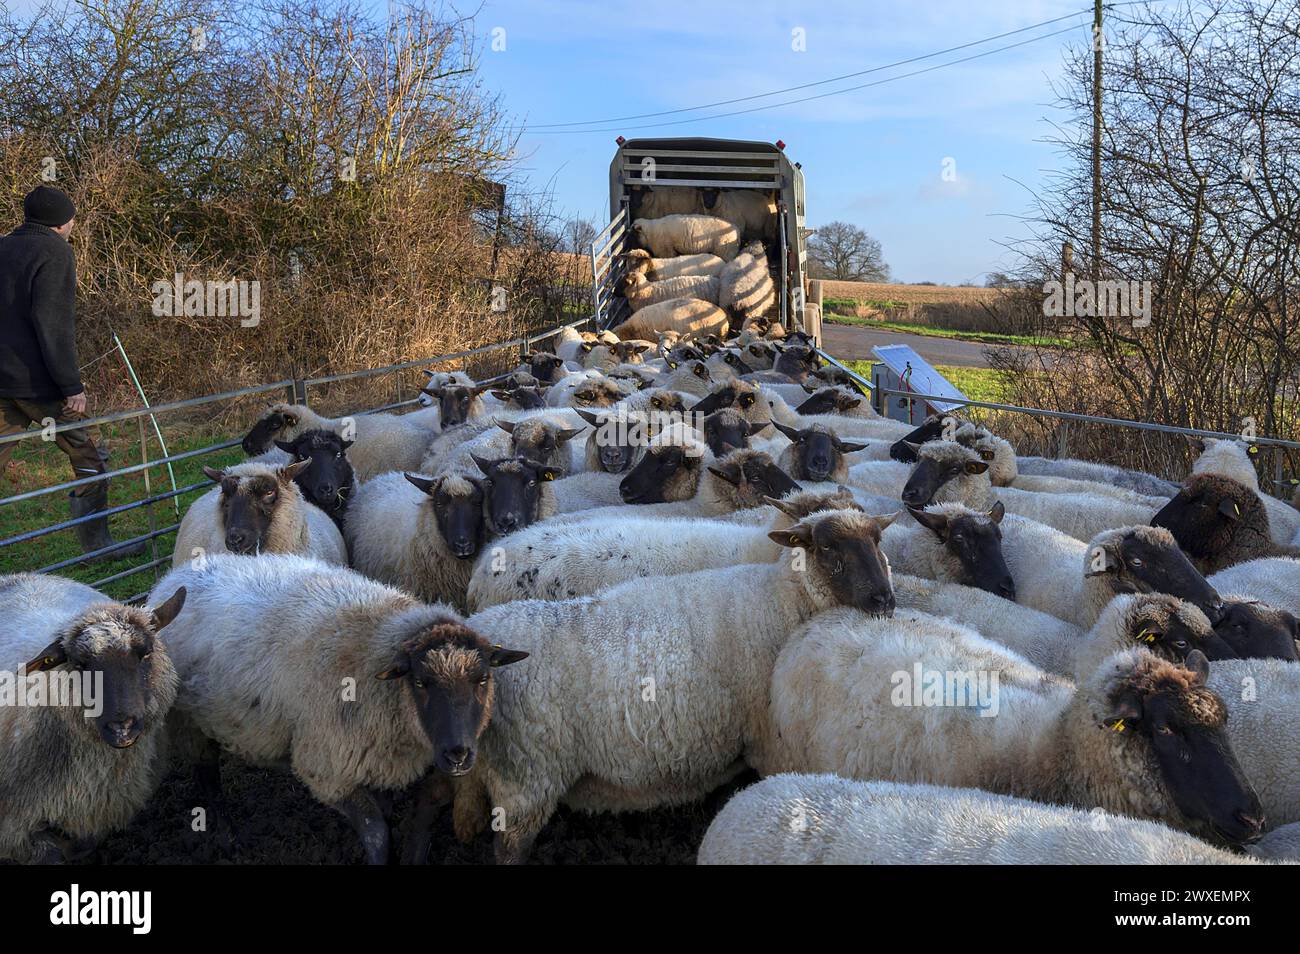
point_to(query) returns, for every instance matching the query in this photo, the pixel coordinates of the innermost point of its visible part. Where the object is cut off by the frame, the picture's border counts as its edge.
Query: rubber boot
(93, 534)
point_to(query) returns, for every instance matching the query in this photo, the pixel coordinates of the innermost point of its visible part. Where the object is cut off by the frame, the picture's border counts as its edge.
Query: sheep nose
(122, 733)
(1251, 823)
(1007, 590)
(327, 490)
(457, 758)
(881, 602)
(1215, 612)
(913, 496)
(239, 541)
(508, 522)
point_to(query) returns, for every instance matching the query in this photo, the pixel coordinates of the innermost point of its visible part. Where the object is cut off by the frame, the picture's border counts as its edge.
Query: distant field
(884, 294)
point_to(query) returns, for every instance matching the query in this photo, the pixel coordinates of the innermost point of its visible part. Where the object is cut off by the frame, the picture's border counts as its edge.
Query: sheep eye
(1135, 562)
(1164, 730)
(419, 683)
(483, 681)
(532, 483)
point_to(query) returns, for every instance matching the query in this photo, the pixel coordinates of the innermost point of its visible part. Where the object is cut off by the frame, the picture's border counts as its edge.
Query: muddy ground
(278, 822)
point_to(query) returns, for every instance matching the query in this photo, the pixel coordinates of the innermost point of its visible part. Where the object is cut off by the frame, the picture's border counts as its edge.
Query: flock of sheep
(646, 562)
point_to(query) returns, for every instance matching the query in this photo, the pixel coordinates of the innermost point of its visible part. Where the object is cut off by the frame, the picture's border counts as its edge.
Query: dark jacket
(38, 342)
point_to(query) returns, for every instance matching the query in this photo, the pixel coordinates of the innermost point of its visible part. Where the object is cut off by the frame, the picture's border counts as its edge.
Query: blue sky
(872, 157)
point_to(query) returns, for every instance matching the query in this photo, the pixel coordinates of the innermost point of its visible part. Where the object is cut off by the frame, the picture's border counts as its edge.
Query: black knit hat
(46, 205)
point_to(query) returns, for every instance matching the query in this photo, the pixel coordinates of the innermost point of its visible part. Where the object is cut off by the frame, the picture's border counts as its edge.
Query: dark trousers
(80, 444)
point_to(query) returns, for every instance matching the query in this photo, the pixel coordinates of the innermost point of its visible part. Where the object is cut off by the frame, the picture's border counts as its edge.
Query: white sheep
(655, 201)
(1136, 480)
(257, 509)
(745, 288)
(1263, 696)
(920, 699)
(686, 235)
(1272, 580)
(380, 442)
(795, 819)
(753, 212)
(419, 533)
(641, 293)
(1232, 459)
(555, 560)
(355, 686)
(648, 693)
(71, 772)
(658, 269)
(688, 317)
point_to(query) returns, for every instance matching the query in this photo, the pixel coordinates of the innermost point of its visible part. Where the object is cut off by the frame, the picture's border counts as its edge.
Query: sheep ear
(782, 506)
(398, 668)
(287, 473)
(936, 523)
(290, 420)
(1198, 666)
(549, 473)
(507, 426)
(1100, 562)
(483, 463)
(164, 614)
(849, 405)
(504, 657)
(52, 655)
(790, 432)
(587, 416)
(1126, 709)
(809, 387)
(1197, 444)
(433, 392)
(800, 535)
(568, 434)
(1230, 509)
(214, 475)
(756, 426)
(346, 444)
(986, 455)
(847, 447)
(727, 473)
(501, 395)
(976, 466)
(423, 484)
(286, 446)
(888, 520)
(640, 349)
(671, 363)
(997, 512)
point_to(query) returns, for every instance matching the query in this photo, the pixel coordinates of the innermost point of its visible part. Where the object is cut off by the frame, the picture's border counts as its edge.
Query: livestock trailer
(704, 167)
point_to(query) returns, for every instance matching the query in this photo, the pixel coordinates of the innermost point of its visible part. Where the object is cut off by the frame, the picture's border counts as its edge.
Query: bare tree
(578, 235)
(846, 253)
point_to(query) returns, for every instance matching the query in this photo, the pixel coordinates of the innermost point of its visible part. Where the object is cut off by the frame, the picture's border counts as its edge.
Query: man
(39, 377)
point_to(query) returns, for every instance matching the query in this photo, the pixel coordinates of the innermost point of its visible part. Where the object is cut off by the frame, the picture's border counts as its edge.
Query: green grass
(930, 331)
(978, 384)
(40, 464)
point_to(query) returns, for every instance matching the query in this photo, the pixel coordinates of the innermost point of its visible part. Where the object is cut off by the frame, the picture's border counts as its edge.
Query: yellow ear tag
(1237, 508)
(49, 660)
(1118, 725)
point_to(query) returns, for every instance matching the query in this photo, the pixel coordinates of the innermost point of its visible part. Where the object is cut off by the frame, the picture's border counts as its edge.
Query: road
(854, 343)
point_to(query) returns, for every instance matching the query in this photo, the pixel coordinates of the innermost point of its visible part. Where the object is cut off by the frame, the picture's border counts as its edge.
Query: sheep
(793, 819)
(542, 436)
(419, 533)
(1074, 581)
(608, 357)
(614, 440)
(727, 365)
(672, 235)
(355, 685)
(521, 398)
(1138, 481)
(1034, 634)
(727, 430)
(816, 453)
(903, 699)
(1262, 696)
(1167, 626)
(1275, 581)
(952, 544)
(329, 481)
(518, 493)
(654, 202)
(380, 442)
(659, 269)
(1219, 522)
(792, 364)
(734, 487)
(947, 471)
(688, 377)
(591, 390)
(626, 707)
(640, 292)
(1255, 630)
(458, 403)
(257, 509)
(836, 400)
(687, 317)
(752, 212)
(759, 355)
(745, 288)
(560, 561)
(81, 765)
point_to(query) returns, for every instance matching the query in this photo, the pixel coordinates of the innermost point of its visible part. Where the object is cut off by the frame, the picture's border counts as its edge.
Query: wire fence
(162, 506)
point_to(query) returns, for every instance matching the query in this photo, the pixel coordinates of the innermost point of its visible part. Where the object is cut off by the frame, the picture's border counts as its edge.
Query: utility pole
(1096, 140)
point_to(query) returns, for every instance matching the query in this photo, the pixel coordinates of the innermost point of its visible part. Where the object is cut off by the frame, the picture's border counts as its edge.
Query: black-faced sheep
(380, 442)
(1219, 522)
(329, 481)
